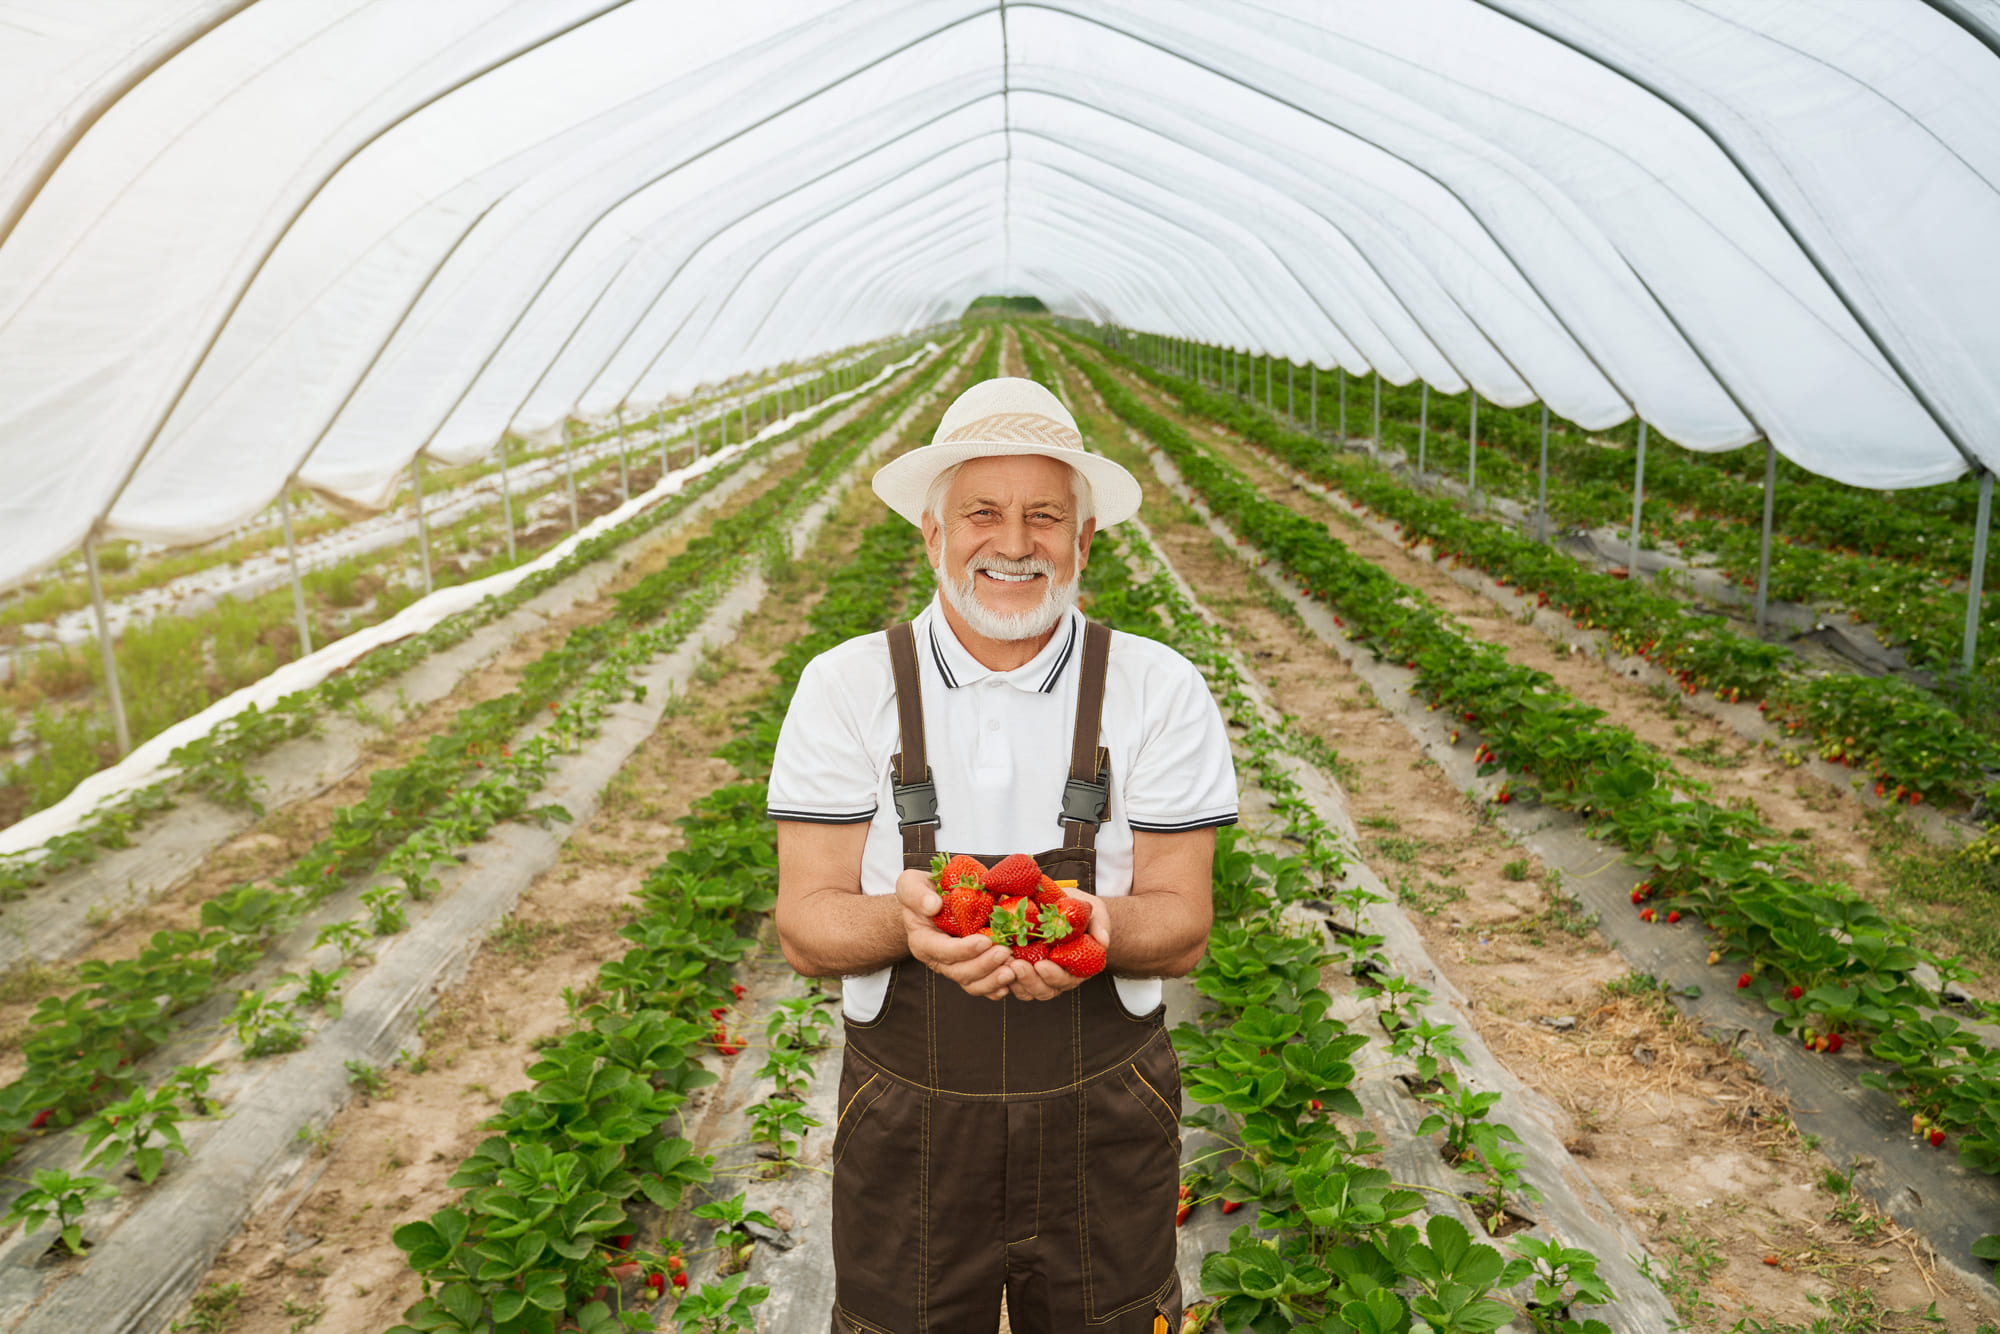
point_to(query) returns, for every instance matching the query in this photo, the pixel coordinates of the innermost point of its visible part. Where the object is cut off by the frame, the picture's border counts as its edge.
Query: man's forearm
(1156, 935)
(838, 933)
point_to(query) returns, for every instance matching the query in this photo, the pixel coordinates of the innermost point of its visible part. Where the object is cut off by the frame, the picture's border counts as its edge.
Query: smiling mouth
(1000, 577)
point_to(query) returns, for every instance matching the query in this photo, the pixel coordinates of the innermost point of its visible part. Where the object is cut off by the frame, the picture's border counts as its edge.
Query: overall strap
(1087, 795)
(910, 777)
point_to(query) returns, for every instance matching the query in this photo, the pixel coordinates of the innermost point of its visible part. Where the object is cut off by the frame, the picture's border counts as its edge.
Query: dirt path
(1669, 1124)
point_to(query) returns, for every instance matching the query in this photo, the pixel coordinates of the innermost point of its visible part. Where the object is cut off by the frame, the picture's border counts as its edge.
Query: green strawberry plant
(130, 1127)
(59, 1198)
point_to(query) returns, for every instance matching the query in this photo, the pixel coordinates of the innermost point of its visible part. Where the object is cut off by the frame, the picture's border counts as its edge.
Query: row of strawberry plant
(1826, 960)
(1274, 1067)
(1912, 743)
(213, 765)
(80, 1047)
(543, 1229)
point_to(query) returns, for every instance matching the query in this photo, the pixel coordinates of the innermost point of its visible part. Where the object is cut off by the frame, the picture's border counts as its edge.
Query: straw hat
(1006, 416)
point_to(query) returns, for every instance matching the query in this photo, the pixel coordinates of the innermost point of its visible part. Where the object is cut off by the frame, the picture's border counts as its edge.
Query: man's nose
(1015, 540)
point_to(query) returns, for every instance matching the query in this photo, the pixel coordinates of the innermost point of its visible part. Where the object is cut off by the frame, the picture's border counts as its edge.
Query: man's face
(1009, 540)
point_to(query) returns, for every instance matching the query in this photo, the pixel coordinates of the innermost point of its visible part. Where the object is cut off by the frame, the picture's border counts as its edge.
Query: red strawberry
(1014, 877)
(1079, 956)
(1029, 912)
(1742, 981)
(1074, 911)
(1795, 992)
(1231, 1206)
(658, 1283)
(1937, 1139)
(1033, 952)
(681, 1281)
(965, 910)
(1181, 1214)
(1673, 914)
(1834, 1041)
(1645, 914)
(1048, 891)
(675, 1263)
(951, 872)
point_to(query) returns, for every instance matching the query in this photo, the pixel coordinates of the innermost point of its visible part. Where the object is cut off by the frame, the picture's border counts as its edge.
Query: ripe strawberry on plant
(1080, 956)
(965, 910)
(1015, 876)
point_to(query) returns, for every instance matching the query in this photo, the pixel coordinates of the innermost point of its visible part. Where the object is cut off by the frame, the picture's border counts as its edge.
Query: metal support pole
(1343, 407)
(624, 473)
(1269, 406)
(1288, 393)
(506, 500)
(1542, 486)
(1638, 498)
(660, 428)
(1764, 543)
(569, 474)
(298, 589)
(1978, 571)
(1375, 445)
(1312, 394)
(1423, 425)
(104, 649)
(1472, 450)
(423, 520)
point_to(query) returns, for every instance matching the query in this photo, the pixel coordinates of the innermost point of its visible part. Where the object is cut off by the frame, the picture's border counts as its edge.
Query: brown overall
(1027, 1145)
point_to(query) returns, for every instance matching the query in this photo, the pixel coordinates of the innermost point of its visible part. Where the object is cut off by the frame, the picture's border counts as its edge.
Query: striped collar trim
(945, 649)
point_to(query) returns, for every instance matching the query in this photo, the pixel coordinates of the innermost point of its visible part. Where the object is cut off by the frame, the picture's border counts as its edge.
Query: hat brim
(903, 482)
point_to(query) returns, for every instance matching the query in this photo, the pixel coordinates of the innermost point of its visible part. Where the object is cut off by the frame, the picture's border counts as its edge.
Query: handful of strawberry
(1013, 904)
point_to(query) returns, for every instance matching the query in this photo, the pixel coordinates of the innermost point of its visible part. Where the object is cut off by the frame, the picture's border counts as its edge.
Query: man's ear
(1088, 531)
(933, 539)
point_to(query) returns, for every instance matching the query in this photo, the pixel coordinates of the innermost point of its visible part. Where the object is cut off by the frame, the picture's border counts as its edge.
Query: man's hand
(974, 962)
(1047, 979)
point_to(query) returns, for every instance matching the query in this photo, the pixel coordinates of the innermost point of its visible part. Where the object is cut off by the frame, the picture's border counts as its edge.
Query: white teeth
(1007, 578)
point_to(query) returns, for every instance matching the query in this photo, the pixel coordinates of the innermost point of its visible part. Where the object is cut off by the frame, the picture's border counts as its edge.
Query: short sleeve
(1183, 776)
(820, 772)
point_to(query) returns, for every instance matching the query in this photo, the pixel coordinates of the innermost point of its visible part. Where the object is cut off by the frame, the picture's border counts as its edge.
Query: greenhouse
(445, 438)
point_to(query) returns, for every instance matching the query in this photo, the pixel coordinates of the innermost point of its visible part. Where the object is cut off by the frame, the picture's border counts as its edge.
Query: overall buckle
(1085, 802)
(916, 803)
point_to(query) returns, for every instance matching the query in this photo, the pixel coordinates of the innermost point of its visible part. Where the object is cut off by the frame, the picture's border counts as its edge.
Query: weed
(1516, 869)
(319, 1138)
(1378, 822)
(1401, 849)
(372, 1080)
(212, 1310)
(304, 1317)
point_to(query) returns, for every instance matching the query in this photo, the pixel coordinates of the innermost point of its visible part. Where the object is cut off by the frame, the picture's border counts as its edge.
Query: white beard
(1056, 601)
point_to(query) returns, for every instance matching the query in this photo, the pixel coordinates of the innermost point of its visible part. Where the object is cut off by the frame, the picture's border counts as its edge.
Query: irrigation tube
(292, 561)
(1978, 568)
(1638, 499)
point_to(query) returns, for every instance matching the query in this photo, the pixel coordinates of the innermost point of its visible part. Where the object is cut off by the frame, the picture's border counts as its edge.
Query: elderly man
(1003, 1124)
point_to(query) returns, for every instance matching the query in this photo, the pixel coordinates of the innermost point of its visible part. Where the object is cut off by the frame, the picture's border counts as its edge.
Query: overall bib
(1027, 1145)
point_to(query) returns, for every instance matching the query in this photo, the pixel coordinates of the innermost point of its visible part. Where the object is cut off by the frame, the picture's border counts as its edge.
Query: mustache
(1003, 565)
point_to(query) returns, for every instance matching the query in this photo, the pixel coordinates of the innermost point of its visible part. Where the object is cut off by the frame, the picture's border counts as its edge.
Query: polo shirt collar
(1038, 675)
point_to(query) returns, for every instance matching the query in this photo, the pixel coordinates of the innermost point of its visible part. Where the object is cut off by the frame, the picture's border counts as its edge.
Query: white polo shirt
(999, 748)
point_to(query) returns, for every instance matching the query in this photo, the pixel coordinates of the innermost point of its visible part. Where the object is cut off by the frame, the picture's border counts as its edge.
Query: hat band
(1015, 428)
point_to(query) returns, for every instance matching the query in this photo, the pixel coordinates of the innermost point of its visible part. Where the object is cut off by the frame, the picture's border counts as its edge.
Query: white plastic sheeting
(245, 241)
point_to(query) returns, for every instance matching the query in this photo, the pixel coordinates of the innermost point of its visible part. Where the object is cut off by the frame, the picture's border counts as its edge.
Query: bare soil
(1670, 1125)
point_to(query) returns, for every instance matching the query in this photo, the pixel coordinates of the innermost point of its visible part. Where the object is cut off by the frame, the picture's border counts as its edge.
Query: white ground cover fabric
(249, 241)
